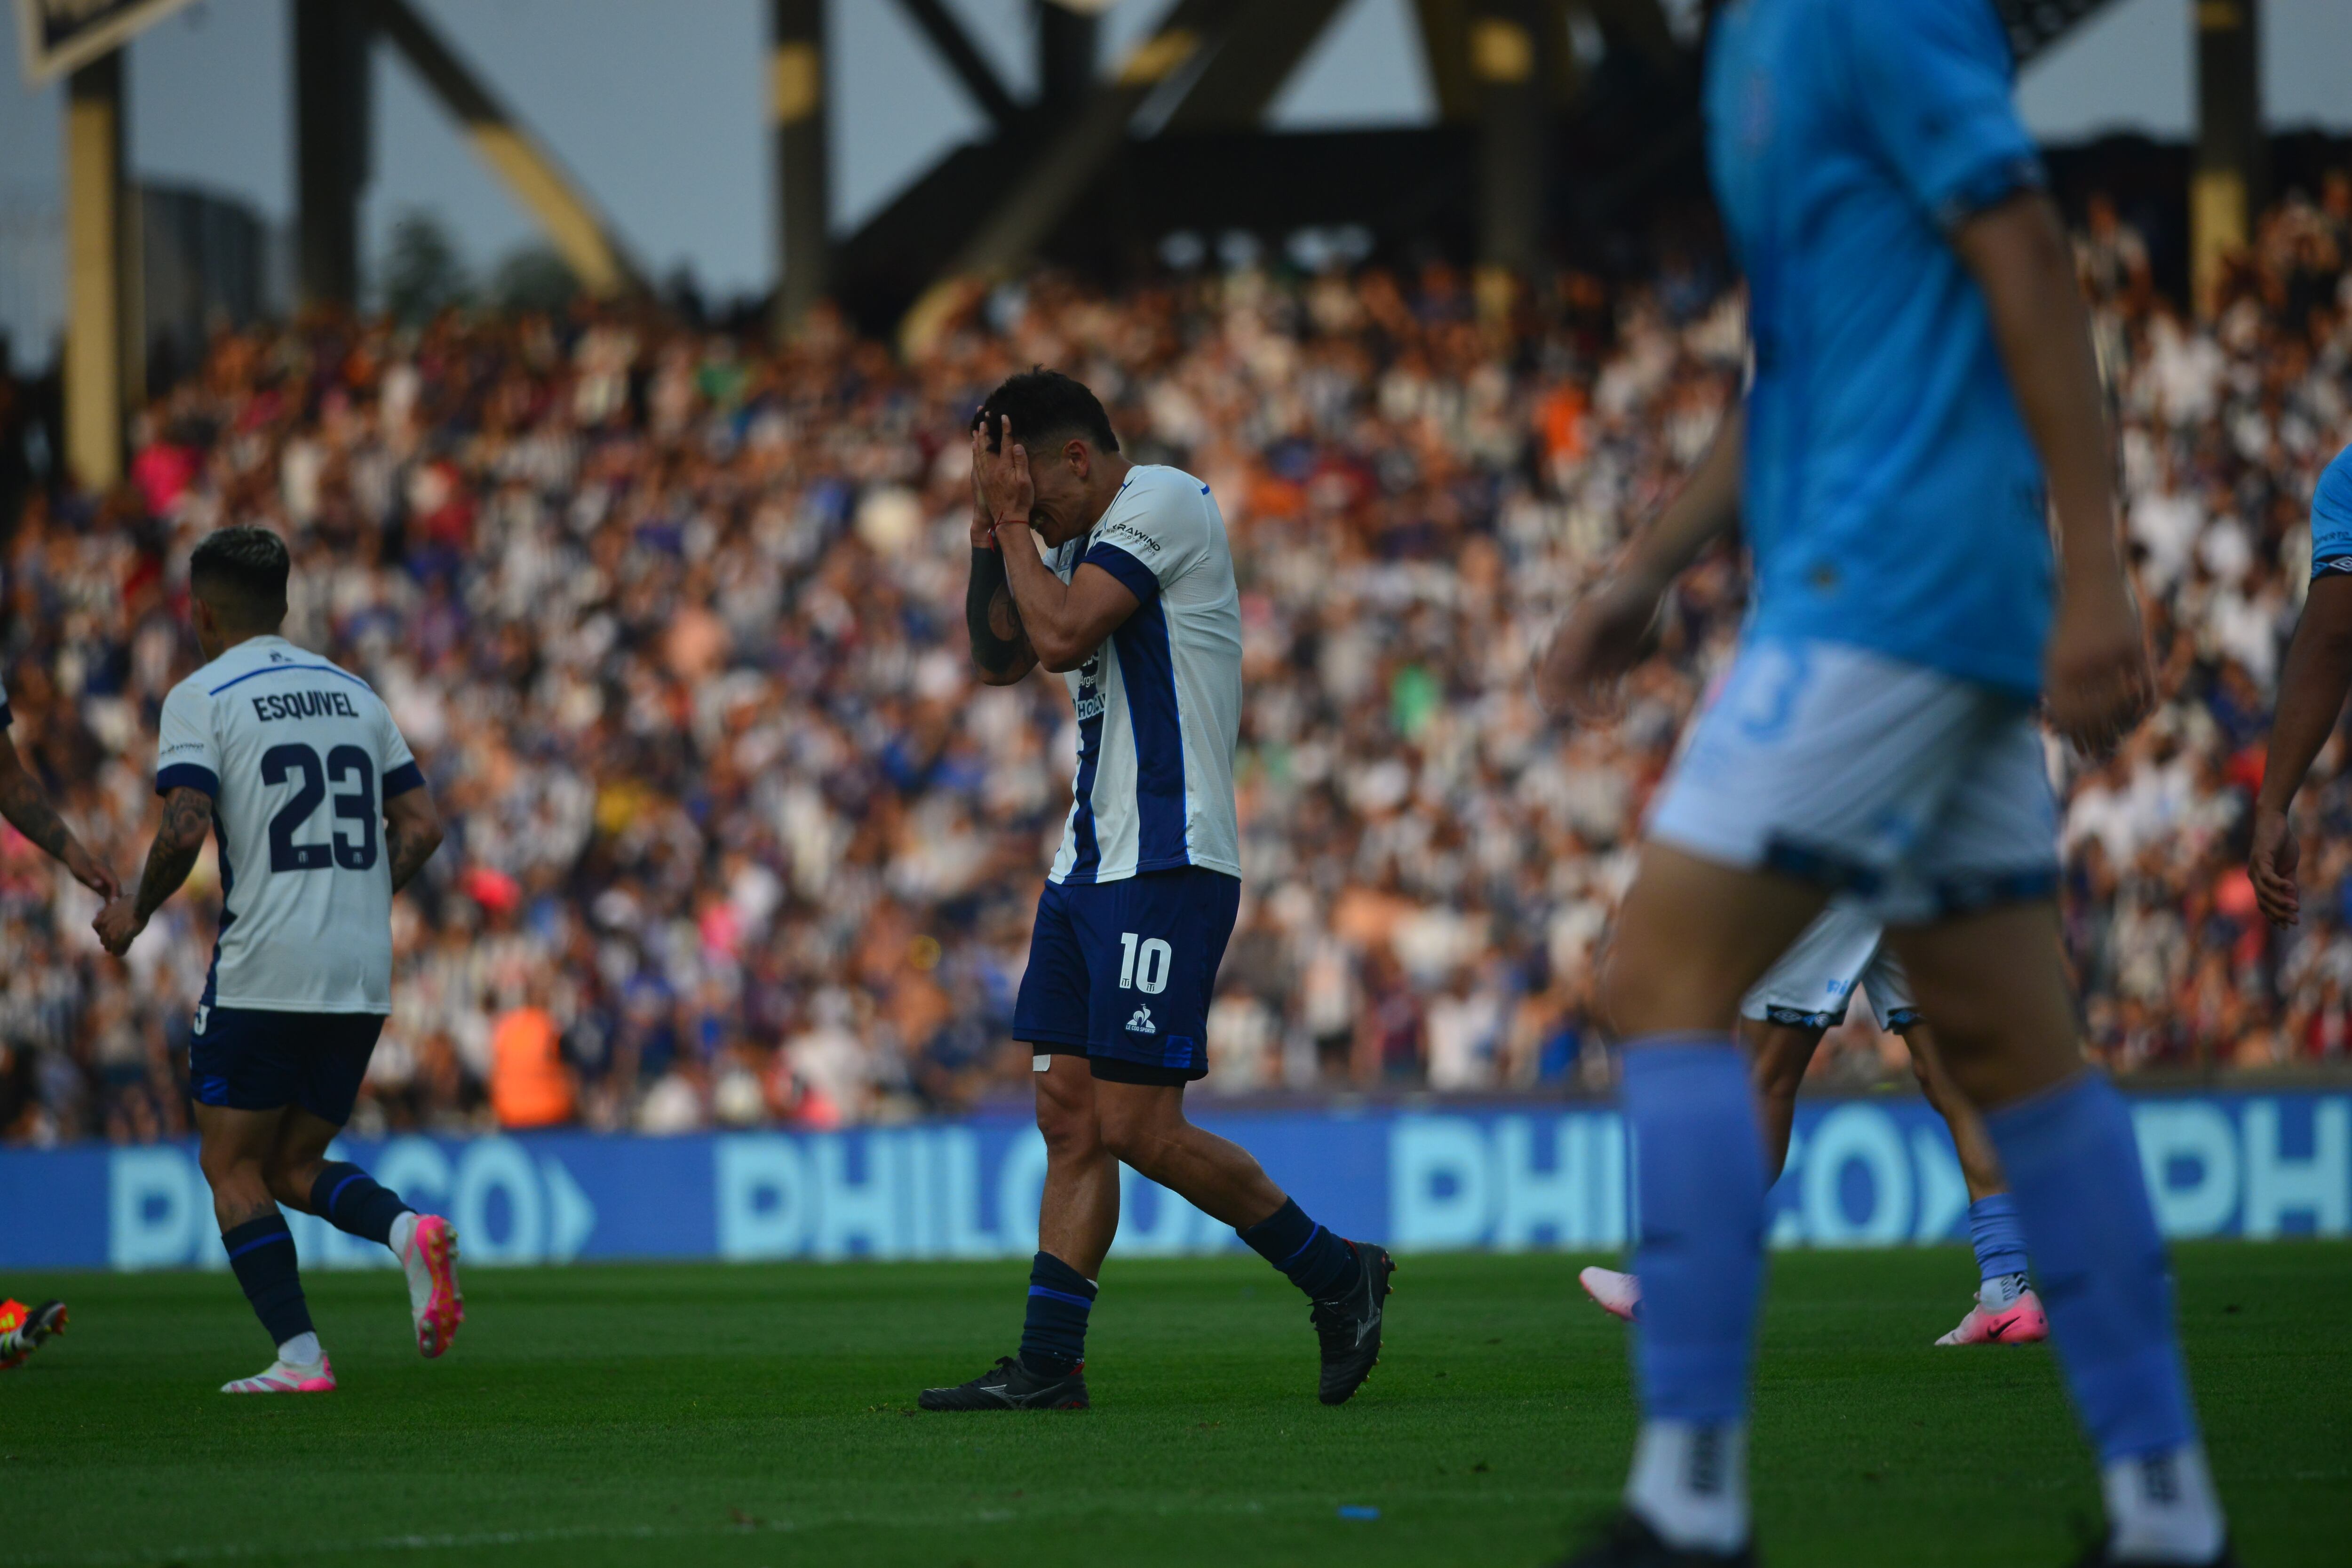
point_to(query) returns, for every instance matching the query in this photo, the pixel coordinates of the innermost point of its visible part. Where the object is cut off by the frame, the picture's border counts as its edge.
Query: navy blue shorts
(249, 1059)
(1121, 972)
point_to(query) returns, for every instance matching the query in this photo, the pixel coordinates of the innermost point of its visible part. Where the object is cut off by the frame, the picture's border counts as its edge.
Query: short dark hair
(241, 572)
(1044, 403)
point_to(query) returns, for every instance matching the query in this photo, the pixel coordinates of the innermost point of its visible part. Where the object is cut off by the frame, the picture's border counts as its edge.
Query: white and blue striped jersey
(298, 757)
(1160, 704)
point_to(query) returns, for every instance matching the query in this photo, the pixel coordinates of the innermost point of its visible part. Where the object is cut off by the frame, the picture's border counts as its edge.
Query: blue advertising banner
(1869, 1173)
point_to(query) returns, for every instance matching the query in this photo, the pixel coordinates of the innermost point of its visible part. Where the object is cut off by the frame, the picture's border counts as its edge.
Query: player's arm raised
(1605, 635)
(1063, 622)
(412, 832)
(29, 811)
(999, 647)
(2098, 679)
(188, 817)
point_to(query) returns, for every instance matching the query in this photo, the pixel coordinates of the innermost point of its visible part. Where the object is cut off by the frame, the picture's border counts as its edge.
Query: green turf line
(763, 1416)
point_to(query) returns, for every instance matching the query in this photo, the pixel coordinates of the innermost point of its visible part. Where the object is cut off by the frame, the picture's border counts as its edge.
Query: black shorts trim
(1118, 1069)
(1056, 1047)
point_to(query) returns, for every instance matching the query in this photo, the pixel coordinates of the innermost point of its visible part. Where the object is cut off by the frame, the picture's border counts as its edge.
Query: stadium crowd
(673, 622)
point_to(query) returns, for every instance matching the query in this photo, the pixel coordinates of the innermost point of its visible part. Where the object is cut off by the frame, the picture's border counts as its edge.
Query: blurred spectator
(529, 1084)
(674, 623)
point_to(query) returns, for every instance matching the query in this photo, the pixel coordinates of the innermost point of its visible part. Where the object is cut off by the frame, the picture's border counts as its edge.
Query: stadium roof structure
(1555, 116)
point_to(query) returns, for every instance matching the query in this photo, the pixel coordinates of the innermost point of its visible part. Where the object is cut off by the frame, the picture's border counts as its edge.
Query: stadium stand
(674, 623)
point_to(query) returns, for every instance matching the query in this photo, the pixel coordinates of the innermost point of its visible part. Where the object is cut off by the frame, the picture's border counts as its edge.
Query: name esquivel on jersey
(298, 757)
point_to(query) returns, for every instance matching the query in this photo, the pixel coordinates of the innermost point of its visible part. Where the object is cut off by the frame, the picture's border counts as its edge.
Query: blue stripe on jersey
(187, 776)
(1133, 575)
(286, 669)
(220, 933)
(1087, 856)
(1149, 673)
(401, 779)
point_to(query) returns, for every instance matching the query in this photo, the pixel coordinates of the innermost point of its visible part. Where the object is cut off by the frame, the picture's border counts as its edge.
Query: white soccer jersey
(299, 758)
(1160, 704)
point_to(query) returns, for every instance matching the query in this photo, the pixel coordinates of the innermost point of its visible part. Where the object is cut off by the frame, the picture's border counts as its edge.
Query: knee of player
(288, 1185)
(1068, 1128)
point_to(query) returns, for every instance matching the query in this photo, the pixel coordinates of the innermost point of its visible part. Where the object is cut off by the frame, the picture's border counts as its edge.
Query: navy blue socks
(261, 1251)
(1317, 1261)
(350, 1199)
(2074, 1172)
(1699, 1176)
(1054, 1336)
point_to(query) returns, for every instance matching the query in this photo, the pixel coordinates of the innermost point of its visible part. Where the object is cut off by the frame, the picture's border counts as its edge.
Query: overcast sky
(662, 122)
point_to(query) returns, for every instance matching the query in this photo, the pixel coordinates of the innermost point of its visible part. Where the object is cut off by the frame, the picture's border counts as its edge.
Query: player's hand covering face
(2098, 679)
(1002, 476)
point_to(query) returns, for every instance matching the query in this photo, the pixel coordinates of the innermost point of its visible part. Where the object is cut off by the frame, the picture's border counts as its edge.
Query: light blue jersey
(1893, 498)
(2331, 520)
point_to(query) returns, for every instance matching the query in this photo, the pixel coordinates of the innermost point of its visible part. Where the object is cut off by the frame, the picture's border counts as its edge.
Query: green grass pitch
(749, 1416)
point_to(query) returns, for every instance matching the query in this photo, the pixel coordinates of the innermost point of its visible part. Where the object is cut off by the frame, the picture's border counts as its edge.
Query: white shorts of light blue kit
(1813, 984)
(1914, 794)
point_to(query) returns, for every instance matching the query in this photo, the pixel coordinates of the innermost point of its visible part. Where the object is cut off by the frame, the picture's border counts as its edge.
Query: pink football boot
(283, 1378)
(1619, 1295)
(430, 1261)
(2021, 1322)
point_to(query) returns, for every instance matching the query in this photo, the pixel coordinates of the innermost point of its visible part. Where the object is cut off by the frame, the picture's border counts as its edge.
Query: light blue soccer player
(2311, 693)
(1925, 403)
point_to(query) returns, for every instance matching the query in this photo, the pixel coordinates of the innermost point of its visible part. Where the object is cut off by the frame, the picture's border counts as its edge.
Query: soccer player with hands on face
(321, 815)
(1133, 603)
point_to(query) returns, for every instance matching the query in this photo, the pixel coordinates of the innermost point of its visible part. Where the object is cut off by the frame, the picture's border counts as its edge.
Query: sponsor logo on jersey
(1141, 1022)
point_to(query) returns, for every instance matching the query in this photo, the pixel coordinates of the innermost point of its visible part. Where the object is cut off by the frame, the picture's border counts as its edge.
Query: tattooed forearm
(22, 803)
(412, 831)
(999, 645)
(410, 847)
(188, 817)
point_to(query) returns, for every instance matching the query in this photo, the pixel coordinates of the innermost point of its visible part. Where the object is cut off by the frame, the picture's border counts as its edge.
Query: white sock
(2161, 1508)
(402, 1229)
(1690, 1483)
(1999, 1293)
(302, 1350)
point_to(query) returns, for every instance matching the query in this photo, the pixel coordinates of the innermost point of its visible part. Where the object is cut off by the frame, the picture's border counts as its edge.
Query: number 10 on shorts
(1156, 957)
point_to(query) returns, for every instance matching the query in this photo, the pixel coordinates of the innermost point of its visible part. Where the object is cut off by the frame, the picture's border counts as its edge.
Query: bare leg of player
(301, 1177)
(1077, 1212)
(2006, 1312)
(2006, 1041)
(233, 1149)
(1781, 1054)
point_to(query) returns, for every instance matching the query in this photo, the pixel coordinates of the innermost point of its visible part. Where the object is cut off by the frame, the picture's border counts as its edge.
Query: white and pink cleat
(1619, 1295)
(429, 1258)
(284, 1378)
(2021, 1322)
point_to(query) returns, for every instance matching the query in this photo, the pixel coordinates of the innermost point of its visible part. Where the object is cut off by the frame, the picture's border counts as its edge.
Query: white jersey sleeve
(1155, 534)
(395, 763)
(187, 752)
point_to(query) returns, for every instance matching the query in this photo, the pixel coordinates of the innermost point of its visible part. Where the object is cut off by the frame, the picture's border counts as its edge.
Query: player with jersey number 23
(321, 815)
